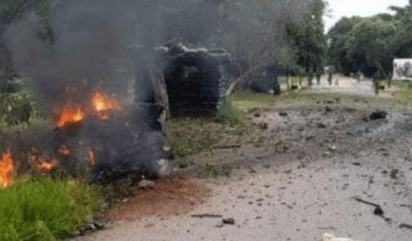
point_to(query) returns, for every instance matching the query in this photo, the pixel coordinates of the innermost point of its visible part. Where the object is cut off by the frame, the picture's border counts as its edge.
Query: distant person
(330, 75)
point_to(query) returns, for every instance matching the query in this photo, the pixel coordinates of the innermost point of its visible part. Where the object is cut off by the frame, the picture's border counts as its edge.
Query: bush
(226, 113)
(42, 208)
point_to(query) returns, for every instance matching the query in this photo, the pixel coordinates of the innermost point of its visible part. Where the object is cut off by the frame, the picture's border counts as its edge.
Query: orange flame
(69, 114)
(102, 104)
(43, 163)
(64, 150)
(6, 169)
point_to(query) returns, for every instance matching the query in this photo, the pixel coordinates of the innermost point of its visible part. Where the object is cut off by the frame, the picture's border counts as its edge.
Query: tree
(337, 37)
(403, 36)
(369, 46)
(306, 42)
(255, 31)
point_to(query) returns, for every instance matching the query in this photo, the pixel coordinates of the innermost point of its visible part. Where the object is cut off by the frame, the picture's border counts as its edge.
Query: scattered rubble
(378, 114)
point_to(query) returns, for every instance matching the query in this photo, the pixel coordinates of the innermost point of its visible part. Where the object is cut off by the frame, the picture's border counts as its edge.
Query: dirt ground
(329, 169)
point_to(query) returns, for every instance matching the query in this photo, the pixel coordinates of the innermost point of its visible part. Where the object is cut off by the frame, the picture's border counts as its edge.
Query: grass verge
(190, 136)
(43, 208)
(311, 98)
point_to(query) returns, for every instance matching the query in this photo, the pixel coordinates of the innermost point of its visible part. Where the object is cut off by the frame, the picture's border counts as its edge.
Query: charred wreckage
(109, 137)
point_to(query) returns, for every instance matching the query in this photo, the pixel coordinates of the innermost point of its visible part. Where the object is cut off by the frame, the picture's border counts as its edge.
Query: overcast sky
(363, 8)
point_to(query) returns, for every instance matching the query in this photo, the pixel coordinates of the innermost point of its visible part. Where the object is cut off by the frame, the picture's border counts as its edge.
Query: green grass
(404, 95)
(43, 208)
(282, 79)
(35, 123)
(310, 98)
(189, 136)
(246, 105)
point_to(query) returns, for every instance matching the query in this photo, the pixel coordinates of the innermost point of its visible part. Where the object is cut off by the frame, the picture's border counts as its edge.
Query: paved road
(293, 203)
(349, 85)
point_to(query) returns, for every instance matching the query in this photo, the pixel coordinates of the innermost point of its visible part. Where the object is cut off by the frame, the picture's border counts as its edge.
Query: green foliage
(403, 36)
(369, 46)
(226, 113)
(42, 208)
(306, 45)
(111, 193)
(83, 200)
(13, 10)
(337, 53)
(189, 136)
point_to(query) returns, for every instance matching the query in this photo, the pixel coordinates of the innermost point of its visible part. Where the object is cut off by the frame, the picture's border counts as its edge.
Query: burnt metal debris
(378, 114)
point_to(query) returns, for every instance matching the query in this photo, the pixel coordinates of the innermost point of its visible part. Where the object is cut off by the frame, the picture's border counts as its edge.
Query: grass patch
(43, 208)
(35, 123)
(311, 98)
(245, 106)
(404, 95)
(283, 79)
(189, 136)
(214, 170)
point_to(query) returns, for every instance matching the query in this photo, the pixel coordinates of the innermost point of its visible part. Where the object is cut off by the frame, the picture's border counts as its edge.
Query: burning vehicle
(87, 135)
(107, 88)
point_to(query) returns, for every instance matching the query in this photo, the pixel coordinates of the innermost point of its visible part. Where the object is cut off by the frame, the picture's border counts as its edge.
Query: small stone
(183, 165)
(281, 113)
(229, 221)
(332, 148)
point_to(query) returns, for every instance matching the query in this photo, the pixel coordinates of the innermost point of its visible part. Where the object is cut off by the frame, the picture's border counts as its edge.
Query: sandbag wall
(194, 79)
